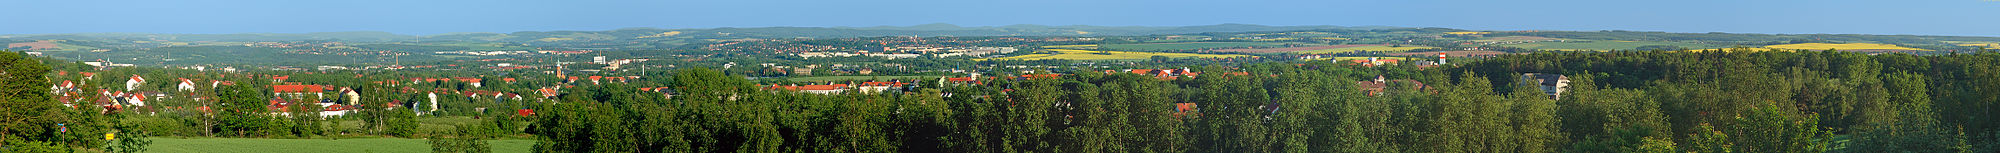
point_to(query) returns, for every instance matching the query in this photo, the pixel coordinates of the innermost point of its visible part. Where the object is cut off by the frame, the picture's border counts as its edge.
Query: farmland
(1188, 45)
(1848, 46)
(175, 145)
(1328, 49)
(1376, 48)
(1468, 33)
(1516, 38)
(1073, 54)
(1072, 46)
(1606, 45)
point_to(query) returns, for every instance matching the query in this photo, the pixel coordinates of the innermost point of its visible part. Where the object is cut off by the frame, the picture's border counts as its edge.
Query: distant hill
(938, 29)
(356, 36)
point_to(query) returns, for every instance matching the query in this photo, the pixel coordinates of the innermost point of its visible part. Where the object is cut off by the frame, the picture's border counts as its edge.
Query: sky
(427, 17)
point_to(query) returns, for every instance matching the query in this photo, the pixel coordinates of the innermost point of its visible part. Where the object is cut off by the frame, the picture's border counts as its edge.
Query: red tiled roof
(1042, 76)
(959, 79)
(807, 87)
(297, 88)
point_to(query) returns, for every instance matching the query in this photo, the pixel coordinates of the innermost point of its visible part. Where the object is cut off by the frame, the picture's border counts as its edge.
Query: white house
(186, 85)
(134, 82)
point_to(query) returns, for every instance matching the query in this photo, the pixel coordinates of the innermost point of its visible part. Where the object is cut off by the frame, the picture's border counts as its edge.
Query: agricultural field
(1468, 33)
(845, 78)
(50, 45)
(1606, 45)
(1188, 45)
(1989, 45)
(1375, 48)
(1738, 50)
(1073, 54)
(1847, 46)
(485, 46)
(1092, 46)
(177, 145)
(1328, 49)
(1516, 39)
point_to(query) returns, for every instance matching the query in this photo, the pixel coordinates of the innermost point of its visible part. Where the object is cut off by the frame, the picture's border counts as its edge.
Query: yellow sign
(109, 136)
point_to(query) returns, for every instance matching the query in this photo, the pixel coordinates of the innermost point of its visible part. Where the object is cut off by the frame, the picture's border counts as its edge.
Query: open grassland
(861, 78)
(1848, 46)
(1605, 45)
(1073, 54)
(175, 145)
(1188, 45)
(1376, 48)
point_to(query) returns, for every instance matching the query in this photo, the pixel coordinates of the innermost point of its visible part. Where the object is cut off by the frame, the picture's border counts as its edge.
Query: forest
(1618, 102)
(1634, 101)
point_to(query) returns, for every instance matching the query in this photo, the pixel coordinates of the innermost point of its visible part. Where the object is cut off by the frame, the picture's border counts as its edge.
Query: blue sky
(423, 17)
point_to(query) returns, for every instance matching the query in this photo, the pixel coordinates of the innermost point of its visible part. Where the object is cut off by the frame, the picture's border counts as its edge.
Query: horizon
(1943, 18)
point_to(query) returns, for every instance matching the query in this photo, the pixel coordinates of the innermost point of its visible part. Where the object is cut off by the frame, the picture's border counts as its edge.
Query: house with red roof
(548, 93)
(1185, 109)
(817, 89)
(296, 91)
(593, 79)
(186, 85)
(134, 82)
(1381, 86)
(879, 87)
(473, 81)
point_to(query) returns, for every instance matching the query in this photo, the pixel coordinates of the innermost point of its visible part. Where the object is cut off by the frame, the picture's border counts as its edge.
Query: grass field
(1606, 45)
(1188, 45)
(174, 145)
(1072, 54)
(1988, 45)
(842, 78)
(1382, 48)
(1848, 46)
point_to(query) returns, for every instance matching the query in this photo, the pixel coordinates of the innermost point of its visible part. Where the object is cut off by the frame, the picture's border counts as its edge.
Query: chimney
(1441, 58)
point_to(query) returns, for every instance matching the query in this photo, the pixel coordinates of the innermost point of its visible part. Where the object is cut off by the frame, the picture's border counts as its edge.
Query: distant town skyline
(1928, 17)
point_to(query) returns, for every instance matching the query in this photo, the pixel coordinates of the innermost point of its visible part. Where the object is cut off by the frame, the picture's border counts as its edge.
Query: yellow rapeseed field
(1073, 54)
(1847, 46)
(1468, 33)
